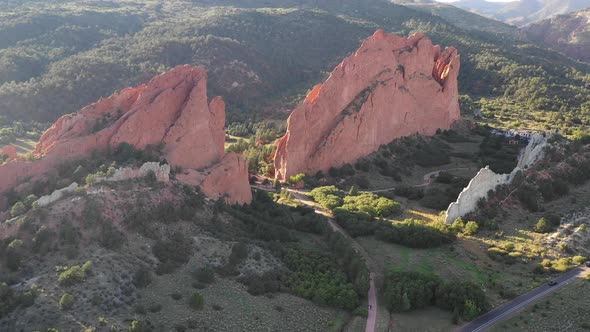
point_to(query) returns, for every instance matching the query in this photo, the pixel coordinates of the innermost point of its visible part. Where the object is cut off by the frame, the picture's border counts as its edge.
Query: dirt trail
(428, 177)
(374, 274)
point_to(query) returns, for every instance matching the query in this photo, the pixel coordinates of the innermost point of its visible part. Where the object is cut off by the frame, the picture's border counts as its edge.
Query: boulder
(391, 87)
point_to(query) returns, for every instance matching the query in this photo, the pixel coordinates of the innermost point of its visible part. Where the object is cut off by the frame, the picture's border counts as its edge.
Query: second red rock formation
(391, 87)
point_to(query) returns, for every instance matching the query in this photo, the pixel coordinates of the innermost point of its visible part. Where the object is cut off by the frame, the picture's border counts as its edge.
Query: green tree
(353, 191)
(295, 179)
(66, 302)
(471, 228)
(138, 326)
(542, 226)
(470, 310)
(75, 274)
(458, 225)
(18, 209)
(14, 254)
(196, 301)
(29, 200)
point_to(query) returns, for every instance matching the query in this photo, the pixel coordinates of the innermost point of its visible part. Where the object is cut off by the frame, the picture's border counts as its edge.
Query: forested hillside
(568, 34)
(58, 56)
(522, 12)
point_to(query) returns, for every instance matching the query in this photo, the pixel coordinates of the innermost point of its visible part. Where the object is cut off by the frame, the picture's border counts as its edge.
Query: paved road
(504, 311)
(372, 297)
(372, 294)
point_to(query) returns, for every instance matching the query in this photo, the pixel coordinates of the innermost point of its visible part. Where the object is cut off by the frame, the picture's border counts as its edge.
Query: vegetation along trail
(299, 195)
(372, 266)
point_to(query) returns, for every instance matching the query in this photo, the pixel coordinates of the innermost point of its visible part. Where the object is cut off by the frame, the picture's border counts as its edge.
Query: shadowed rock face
(172, 110)
(391, 87)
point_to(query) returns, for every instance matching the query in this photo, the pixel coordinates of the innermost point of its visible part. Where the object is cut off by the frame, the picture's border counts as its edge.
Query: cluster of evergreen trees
(406, 291)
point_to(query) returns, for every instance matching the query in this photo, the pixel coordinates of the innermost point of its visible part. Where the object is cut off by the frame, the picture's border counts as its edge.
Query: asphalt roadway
(504, 311)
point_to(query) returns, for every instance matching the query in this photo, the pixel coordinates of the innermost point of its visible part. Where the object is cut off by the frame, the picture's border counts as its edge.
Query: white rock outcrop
(534, 151)
(487, 180)
(162, 173)
(56, 195)
(478, 188)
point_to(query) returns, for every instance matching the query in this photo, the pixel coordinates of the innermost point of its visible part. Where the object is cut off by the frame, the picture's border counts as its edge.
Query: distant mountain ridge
(568, 34)
(83, 52)
(522, 12)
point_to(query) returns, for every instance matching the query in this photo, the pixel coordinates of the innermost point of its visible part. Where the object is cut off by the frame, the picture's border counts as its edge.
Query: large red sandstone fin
(390, 87)
(172, 109)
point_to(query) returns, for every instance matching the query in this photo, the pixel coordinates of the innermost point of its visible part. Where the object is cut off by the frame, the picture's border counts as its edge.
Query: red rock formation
(227, 179)
(391, 87)
(9, 151)
(171, 109)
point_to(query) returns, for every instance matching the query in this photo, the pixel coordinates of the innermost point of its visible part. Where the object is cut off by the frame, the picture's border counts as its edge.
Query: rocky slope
(170, 111)
(568, 34)
(391, 87)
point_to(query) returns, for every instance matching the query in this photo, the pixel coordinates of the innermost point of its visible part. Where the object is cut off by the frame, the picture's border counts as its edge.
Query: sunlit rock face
(171, 110)
(391, 87)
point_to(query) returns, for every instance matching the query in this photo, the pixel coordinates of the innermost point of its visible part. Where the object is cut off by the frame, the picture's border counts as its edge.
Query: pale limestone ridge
(486, 180)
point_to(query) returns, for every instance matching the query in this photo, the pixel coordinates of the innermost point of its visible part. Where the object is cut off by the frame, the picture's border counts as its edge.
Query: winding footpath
(372, 294)
(300, 196)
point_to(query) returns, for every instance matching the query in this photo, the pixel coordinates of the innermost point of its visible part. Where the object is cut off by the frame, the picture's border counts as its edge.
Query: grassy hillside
(148, 256)
(63, 55)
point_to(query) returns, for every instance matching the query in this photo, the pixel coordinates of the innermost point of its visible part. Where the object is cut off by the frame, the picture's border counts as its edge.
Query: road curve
(504, 311)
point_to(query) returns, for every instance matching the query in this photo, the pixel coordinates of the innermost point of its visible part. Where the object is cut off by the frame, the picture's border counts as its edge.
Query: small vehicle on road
(587, 263)
(552, 283)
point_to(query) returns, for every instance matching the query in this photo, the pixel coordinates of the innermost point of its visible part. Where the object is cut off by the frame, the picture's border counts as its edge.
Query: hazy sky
(486, 0)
